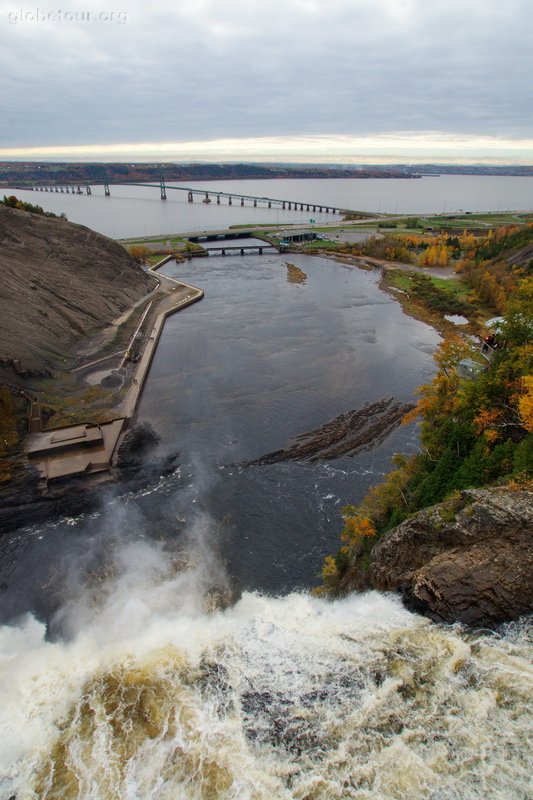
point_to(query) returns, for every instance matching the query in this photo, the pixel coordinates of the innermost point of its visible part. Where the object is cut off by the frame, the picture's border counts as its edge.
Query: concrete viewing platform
(56, 441)
(74, 450)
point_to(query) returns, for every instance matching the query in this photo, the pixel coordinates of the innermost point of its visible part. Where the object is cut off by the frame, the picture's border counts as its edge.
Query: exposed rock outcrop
(60, 283)
(346, 435)
(469, 559)
(137, 464)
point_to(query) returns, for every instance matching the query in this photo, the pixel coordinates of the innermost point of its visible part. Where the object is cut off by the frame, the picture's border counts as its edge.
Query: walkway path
(180, 296)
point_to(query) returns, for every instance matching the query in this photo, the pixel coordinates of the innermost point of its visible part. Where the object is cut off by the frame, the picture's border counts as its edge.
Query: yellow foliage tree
(467, 240)
(525, 403)
(450, 352)
(330, 573)
(442, 396)
(437, 255)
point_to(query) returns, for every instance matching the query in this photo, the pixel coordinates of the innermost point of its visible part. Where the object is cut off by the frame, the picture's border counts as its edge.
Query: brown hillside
(60, 282)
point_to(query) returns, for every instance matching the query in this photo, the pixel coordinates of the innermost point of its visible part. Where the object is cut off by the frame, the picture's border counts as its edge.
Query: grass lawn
(461, 221)
(457, 287)
(162, 240)
(454, 285)
(321, 244)
(152, 260)
(260, 225)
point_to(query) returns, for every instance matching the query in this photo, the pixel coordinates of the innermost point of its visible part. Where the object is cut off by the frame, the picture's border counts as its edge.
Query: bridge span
(206, 195)
(225, 249)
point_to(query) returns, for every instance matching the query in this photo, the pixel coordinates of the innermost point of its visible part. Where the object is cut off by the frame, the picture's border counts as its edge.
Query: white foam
(286, 697)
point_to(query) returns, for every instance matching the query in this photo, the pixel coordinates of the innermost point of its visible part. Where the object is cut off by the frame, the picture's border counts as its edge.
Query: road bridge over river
(224, 249)
(206, 196)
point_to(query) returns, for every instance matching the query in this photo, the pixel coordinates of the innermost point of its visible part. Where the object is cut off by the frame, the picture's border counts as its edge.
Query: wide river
(123, 677)
(139, 211)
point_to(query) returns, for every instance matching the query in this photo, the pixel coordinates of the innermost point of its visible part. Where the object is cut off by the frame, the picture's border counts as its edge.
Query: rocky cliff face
(469, 559)
(60, 283)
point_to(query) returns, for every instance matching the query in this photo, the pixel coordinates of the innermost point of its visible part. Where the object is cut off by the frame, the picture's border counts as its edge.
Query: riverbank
(469, 558)
(66, 467)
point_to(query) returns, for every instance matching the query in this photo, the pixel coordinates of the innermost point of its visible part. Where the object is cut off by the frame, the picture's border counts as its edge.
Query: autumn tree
(356, 527)
(139, 253)
(437, 255)
(525, 403)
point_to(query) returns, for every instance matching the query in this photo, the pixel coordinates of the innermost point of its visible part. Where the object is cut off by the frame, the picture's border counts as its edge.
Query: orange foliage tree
(357, 528)
(139, 253)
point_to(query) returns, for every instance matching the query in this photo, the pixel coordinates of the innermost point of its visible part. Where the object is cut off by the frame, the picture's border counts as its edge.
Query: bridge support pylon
(190, 197)
(87, 189)
(163, 188)
(107, 193)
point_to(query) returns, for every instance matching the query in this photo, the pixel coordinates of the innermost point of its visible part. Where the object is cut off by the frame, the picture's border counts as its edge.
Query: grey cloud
(206, 70)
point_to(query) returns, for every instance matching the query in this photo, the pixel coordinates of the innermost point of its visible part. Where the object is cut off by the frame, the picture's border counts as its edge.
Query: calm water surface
(259, 361)
(138, 211)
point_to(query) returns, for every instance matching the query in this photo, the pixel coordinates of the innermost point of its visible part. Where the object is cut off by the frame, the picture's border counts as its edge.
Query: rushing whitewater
(154, 690)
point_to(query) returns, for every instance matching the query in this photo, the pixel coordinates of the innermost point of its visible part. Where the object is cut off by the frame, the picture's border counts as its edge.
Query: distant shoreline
(25, 174)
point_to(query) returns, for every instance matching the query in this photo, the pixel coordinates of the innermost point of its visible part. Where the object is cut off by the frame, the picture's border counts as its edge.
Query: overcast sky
(268, 78)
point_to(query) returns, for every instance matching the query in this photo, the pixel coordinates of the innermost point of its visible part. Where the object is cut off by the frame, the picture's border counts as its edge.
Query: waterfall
(156, 689)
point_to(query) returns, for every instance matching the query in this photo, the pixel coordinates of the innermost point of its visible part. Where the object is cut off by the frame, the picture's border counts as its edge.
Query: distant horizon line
(268, 163)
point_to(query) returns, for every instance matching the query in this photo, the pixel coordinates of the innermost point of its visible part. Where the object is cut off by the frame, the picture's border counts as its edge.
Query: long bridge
(206, 195)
